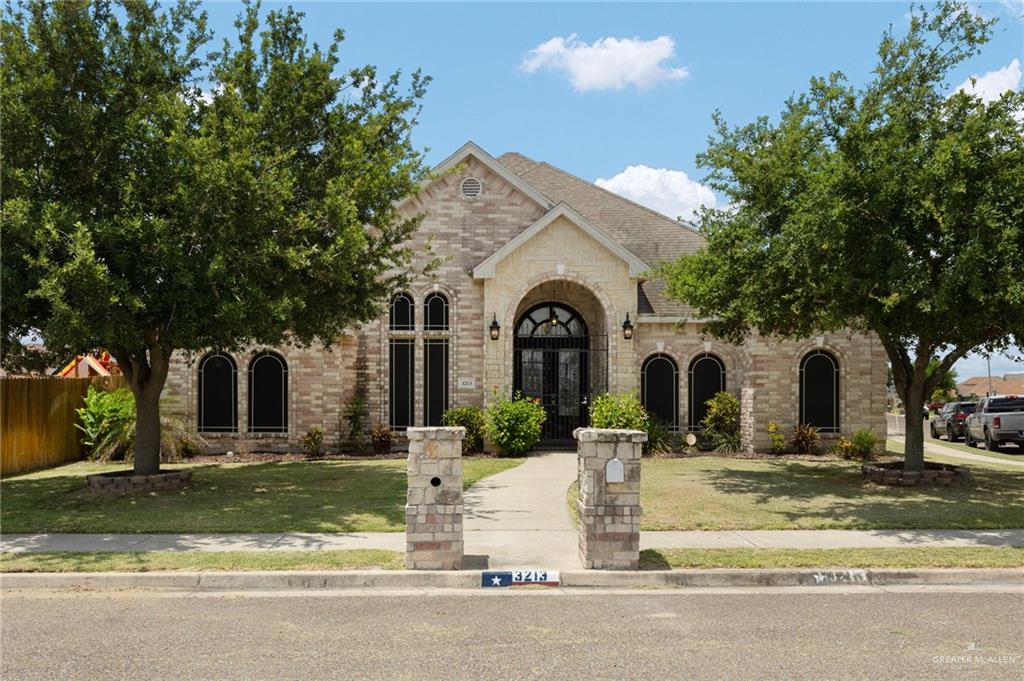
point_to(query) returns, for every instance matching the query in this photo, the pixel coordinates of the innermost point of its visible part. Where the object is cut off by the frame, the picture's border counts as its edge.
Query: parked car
(950, 420)
(997, 420)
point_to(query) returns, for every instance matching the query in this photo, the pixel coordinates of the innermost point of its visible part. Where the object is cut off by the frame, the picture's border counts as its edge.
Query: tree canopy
(894, 208)
(163, 196)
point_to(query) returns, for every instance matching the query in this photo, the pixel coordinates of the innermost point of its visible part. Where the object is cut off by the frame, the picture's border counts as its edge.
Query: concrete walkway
(520, 517)
(960, 454)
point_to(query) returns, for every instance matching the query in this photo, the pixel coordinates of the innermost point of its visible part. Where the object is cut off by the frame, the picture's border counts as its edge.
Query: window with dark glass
(659, 389)
(819, 391)
(400, 382)
(218, 392)
(435, 377)
(435, 312)
(706, 377)
(402, 317)
(268, 394)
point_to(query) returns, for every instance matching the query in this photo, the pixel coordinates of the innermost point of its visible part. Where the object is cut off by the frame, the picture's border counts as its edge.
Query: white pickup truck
(997, 420)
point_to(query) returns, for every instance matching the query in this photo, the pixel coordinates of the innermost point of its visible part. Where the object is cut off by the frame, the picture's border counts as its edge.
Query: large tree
(162, 197)
(895, 208)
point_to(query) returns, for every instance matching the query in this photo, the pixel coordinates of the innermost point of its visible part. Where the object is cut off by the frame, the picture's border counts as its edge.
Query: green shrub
(355, 415)
(659, 438)
(805, 438)
(722, 422)
(863, 444)
(472, 419)
(313, 442)
(619, 412)
(777, 437)
(108, 423)
(104, 414)
(513, 425)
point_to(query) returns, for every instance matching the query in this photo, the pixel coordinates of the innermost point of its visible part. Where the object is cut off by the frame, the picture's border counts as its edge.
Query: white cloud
(990, 86)
(1015, 8)
(974, 364)
(670, 192)
(607, 63)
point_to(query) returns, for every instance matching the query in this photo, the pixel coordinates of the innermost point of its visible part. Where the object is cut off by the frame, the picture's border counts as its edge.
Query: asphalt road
(851, 633)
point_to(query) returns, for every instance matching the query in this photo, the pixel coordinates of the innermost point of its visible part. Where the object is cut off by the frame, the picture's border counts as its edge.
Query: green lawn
(712, 493)
(917, 557)
(316, 496)
(149, 561)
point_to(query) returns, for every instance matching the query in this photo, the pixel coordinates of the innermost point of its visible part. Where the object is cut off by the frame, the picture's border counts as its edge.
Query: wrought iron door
(555, 362)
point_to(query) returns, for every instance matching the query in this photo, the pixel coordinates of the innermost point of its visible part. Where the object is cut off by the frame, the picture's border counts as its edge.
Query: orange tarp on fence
(37, 419)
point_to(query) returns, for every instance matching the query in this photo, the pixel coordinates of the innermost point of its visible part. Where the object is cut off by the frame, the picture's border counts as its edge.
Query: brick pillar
(748, 423)
(609, 510)
(433, 505)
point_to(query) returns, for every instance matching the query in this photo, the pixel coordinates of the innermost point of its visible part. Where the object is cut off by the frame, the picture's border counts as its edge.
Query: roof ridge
(683, 223)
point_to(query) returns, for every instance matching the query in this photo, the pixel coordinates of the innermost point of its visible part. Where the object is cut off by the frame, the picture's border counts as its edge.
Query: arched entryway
(558, 361)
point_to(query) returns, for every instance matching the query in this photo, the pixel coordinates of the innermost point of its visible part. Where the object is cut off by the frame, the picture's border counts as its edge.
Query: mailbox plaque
(497, 578)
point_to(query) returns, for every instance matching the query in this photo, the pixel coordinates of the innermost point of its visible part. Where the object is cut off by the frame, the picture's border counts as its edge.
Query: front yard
(712, 493)
(315, 496)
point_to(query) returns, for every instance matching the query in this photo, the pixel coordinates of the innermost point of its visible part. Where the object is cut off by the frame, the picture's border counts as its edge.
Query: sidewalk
(508, 551)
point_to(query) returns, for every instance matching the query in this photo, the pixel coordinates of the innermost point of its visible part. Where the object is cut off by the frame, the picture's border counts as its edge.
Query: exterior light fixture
(627, 328)
(495, 328)
(553, 318)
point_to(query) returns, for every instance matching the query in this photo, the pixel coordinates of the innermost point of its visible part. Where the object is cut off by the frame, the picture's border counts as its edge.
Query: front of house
(542, 289)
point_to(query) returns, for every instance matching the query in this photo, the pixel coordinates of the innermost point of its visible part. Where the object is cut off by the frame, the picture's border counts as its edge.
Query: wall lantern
(495, 328)
(627, 328)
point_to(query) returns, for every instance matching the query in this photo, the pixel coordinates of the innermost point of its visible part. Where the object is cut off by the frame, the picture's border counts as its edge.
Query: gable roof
(653, 237)
(649, 235)
(485, 269)
(472, 149)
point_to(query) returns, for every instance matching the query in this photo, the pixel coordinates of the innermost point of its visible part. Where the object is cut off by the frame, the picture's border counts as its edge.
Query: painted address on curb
(499, 578)
(841, 577)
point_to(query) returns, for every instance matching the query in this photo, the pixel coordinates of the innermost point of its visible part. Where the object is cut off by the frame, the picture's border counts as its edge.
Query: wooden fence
(37, 419)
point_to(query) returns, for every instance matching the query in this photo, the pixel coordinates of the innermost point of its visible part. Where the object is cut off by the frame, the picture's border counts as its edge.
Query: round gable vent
(471, 188)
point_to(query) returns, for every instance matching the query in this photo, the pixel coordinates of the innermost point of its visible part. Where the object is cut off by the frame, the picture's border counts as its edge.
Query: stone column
(748, 422)
(433, 506)
(609, 501)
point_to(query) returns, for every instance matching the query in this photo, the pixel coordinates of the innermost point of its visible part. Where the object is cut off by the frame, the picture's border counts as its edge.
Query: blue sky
(624, 93)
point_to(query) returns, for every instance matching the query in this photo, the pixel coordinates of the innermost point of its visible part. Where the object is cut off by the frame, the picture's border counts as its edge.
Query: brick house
(543, 289)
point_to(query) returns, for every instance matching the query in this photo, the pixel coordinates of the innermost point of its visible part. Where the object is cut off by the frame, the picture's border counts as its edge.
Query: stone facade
(433, 507)
(609, 498)
(489, 271)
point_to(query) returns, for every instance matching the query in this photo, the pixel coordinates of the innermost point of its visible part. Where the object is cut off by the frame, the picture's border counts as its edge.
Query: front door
(552, 365)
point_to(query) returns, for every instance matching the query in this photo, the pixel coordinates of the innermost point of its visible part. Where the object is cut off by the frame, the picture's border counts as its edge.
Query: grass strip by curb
(916, 557)
(150, 561)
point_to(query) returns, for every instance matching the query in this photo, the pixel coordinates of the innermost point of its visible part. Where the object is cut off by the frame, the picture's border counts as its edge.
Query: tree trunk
(913, 452)
(145, 370)
(147, 430)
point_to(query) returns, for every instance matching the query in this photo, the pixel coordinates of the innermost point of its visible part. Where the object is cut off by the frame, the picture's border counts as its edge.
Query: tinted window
(1005, 404)
(966, 408)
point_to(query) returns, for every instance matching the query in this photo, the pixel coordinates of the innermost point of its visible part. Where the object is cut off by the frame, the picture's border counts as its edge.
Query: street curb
(471, 579)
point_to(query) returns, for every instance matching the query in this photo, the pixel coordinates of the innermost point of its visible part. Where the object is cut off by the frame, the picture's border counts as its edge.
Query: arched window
(659, 389)
(435, 312)
(268, 394)
(218, 393)
(819, 391)
(706, 377)
(551, 319)
(402, 316)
